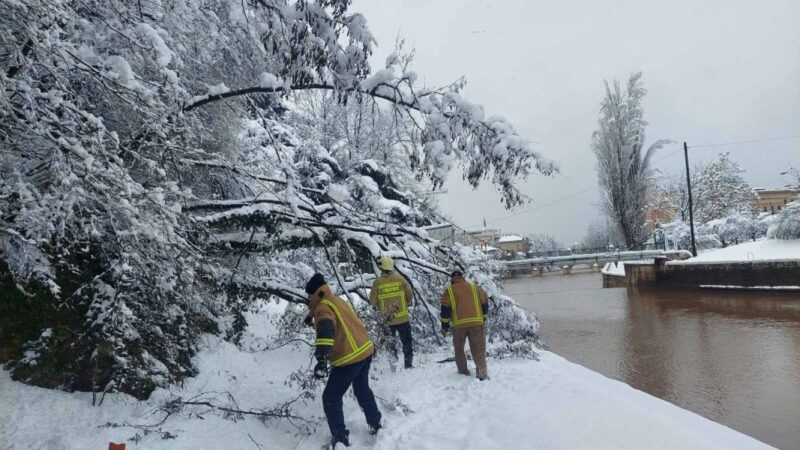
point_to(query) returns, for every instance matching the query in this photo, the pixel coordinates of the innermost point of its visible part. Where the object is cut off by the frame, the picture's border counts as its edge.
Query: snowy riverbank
(547, 404)
(761, 250)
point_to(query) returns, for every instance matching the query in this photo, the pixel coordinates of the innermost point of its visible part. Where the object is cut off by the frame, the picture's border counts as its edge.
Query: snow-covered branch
(136, 215)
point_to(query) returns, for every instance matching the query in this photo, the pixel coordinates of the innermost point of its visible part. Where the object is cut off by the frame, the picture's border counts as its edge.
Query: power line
(575, 194)
(666, 156)
(755, 141)
(526, 211)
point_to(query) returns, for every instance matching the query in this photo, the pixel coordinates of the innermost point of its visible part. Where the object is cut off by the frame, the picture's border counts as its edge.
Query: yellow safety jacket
(350, 343)
(465, 300)
(392, 294)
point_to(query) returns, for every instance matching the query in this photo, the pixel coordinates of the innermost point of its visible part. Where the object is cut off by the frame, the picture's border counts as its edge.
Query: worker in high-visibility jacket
(393, 297)
(464, 308)
(342, 341)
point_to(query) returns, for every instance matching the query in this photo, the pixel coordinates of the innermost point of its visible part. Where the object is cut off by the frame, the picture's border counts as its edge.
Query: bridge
(536, 266)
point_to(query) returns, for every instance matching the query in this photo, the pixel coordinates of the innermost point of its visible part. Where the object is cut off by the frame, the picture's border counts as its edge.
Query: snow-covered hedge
(786, 224)
(734, 228)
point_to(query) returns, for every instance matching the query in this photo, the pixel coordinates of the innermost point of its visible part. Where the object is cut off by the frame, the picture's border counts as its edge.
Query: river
(733, 357)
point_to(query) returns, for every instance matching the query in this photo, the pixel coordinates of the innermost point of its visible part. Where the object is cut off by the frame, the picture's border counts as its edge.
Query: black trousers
(404, 330)
(340, 379)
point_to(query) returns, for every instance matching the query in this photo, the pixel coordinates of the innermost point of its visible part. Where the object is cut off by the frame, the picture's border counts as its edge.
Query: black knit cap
(315, 283)
(456, 273)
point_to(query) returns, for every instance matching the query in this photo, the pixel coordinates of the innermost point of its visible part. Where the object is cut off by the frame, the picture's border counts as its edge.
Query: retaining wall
(614, 281)
(725, 274)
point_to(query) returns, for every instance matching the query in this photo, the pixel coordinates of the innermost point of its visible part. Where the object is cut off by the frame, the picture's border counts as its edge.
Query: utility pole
(689, 187)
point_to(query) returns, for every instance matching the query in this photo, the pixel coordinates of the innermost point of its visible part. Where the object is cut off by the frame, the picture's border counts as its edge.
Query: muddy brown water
(733, 357)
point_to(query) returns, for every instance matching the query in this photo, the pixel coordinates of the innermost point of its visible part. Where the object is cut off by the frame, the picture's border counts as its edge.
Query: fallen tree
(143, 202)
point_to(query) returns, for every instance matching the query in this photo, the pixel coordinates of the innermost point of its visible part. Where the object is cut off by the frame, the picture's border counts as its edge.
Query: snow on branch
(120, 166)
(455, 130)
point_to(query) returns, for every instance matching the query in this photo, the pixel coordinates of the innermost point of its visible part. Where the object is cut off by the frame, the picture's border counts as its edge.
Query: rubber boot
(343, 439)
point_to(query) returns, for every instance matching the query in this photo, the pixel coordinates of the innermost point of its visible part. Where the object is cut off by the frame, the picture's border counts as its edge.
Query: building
(512, 244)
(773, 200)
(482, 238)
(445, 233)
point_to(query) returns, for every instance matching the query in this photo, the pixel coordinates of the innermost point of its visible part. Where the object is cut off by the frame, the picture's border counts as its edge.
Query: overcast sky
(715, 70)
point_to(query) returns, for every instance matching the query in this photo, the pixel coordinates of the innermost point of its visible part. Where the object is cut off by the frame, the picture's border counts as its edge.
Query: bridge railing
(559, 252)
(585, 258)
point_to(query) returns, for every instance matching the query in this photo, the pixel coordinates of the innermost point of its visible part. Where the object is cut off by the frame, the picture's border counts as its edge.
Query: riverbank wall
(778, 274)
(614, 281)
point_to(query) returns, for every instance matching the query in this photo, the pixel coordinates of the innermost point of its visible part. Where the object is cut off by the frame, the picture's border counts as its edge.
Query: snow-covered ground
(617, 268)
(545, 404)
(762, 250)
(614, 268)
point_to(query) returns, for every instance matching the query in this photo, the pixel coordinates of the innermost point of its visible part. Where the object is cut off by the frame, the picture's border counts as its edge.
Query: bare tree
(672, 189)
(600, 234)
(794, 175)
(673, 193)
(623, 167)
(542, 242)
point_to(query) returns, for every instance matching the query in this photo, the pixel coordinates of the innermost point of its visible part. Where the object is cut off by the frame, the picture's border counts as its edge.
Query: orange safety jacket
(392, 294)
(464, 304)
(348, 340)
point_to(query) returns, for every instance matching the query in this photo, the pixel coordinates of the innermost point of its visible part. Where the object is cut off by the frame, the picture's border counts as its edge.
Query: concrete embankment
(776, 274)
(614, 281)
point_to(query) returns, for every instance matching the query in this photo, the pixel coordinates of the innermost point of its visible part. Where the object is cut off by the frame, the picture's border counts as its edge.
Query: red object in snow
(113, 446)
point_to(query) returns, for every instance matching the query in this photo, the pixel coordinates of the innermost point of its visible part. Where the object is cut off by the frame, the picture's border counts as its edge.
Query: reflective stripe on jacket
(350, 343)
(392, 294)
(464, 299)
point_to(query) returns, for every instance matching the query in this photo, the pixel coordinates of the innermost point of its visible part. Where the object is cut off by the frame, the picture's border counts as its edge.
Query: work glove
(309, 320)
(445, 329)
(321, 369)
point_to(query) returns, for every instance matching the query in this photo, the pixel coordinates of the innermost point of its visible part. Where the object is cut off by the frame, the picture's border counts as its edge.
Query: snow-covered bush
(736, 228)
(678, 236)
(600, 234)
(786, 224)
(765, 219)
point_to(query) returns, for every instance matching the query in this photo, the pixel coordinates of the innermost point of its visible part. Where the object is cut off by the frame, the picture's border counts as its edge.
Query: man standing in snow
(342, 340)
(392, 295)
(464, 306)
